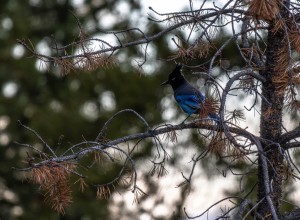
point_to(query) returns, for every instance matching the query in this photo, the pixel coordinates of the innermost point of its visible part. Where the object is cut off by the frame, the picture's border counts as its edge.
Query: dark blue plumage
(187, 96)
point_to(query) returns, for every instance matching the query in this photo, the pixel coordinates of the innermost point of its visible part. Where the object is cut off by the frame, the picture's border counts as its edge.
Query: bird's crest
(176, 72)
(174, 76)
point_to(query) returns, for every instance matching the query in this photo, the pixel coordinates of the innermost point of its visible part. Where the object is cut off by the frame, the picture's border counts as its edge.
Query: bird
(187, 96)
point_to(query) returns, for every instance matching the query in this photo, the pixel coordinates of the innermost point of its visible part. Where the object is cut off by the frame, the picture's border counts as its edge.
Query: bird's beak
(165, 83)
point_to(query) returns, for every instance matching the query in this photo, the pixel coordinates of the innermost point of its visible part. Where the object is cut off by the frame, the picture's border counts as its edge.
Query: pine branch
(290, 135)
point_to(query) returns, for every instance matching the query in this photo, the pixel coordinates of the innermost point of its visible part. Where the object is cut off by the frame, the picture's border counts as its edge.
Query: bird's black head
(175, 77)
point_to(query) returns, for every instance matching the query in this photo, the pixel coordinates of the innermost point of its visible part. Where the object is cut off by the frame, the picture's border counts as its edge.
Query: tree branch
(100, 146)
(144, 40)
(286, 137)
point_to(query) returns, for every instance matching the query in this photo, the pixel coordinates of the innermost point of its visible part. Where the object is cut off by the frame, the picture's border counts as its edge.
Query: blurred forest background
(66, 109)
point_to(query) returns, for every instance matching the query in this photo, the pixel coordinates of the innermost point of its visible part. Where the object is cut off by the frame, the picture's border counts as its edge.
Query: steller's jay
(187, 96)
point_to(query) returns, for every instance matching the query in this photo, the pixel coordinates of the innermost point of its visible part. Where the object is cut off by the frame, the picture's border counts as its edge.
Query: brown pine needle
(53, 179)
(264, 9)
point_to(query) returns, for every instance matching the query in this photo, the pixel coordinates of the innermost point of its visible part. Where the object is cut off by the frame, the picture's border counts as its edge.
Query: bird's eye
(173, 79)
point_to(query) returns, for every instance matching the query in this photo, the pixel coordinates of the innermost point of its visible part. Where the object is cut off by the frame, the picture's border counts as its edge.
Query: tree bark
(270, 127)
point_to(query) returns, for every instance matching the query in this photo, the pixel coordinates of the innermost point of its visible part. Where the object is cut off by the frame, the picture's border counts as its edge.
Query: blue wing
(190, 104)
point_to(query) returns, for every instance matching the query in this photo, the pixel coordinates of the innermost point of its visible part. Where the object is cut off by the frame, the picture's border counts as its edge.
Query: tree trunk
(270, 127)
